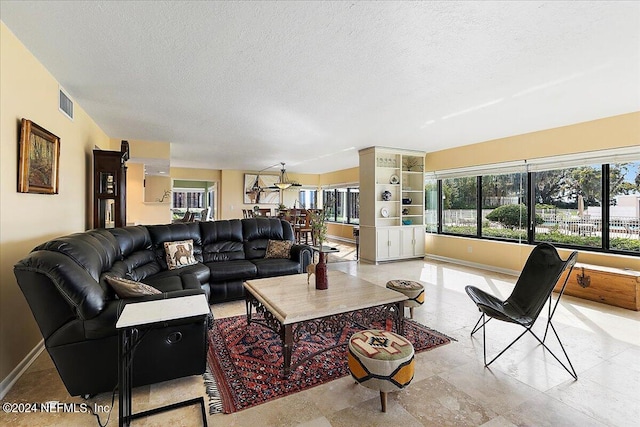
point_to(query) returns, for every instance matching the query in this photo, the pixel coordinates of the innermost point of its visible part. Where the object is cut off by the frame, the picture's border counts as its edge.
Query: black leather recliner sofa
(64, 283)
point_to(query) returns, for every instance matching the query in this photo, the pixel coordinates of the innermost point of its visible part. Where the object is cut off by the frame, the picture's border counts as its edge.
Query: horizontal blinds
(621, 155)
(341, 185)
(490, 169)
(618, 155)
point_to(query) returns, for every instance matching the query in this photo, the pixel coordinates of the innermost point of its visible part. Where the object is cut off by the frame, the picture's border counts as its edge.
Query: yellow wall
(138, 211)
(145, 149)
(345, 176)
(26, 220)
(232, 192)
(612, 132)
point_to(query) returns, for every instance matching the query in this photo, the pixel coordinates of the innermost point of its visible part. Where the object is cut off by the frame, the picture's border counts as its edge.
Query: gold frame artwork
(39, 162)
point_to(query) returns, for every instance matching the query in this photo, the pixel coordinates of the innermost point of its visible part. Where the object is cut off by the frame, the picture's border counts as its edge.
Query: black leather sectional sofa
(64, 283)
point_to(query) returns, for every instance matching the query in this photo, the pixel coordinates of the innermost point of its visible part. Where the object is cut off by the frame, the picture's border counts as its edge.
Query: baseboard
(17, 372)
(341, 239)
(474, 265)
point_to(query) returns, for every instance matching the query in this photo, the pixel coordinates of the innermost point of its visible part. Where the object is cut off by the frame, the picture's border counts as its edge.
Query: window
(459, 205)
(308, 199)
(188, 198)
(504, 207)
(624, 206)
(585, 201)
(431, 204)
(342, 205)
(569, 206)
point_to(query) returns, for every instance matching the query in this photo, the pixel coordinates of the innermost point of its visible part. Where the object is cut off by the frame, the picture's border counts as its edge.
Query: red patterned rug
(245, 363)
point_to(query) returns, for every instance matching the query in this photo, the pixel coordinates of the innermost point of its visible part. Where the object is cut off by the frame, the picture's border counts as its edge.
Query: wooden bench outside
(613, 286)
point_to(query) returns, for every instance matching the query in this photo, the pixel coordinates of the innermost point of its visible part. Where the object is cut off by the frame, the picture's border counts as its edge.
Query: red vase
(321, 273)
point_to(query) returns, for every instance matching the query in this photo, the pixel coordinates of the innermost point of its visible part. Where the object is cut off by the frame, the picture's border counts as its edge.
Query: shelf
(412, 216)
(412, 191)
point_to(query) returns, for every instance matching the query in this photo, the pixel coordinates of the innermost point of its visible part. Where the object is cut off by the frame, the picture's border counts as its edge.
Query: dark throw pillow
(126, 288)
(278, 249)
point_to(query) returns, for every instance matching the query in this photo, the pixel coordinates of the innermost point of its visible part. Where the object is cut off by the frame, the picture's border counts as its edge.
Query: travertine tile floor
(525, 387)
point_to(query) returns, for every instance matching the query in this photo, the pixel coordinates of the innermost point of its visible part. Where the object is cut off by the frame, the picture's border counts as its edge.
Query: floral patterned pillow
(278, 249)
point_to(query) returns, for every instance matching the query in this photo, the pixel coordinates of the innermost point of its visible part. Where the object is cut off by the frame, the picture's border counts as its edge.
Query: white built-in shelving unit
(391, 204)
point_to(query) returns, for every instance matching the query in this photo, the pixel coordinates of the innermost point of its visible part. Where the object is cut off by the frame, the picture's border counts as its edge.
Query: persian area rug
(245, 363)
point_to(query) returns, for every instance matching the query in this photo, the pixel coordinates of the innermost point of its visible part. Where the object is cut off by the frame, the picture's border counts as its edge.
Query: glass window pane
(329, 204)
(354, 206)
(624, 206)
(568, 206)
(431, 205)
(341, 205)
(504, 210)
(459, 208)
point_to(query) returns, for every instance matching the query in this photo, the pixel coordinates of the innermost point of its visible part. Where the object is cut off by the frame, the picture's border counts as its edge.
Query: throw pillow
(278, 249)
(179, 254)
(126, 288)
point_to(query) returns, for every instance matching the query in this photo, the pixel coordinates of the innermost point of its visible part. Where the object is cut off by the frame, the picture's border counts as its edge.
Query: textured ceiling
(243, 85)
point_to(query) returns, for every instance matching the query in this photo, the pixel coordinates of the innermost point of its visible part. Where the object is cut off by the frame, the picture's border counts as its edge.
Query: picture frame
(257, 189)
(39, 159)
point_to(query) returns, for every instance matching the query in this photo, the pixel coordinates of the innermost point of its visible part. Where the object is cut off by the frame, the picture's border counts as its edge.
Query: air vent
(66, 104)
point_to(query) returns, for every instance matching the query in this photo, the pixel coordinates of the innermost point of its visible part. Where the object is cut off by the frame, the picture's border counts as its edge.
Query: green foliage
(318, 225)
(459, 193)
(511, 216)
(623, 244)
(617, 243)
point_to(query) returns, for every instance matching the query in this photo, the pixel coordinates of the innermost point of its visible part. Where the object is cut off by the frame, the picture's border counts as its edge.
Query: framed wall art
(39, 158)
(260, 189)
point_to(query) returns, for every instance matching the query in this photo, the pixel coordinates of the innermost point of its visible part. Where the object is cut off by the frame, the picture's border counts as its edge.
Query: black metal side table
(136, 317)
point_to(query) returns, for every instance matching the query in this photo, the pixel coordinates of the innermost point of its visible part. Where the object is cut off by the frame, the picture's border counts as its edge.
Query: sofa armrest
(104, 324)
(302, 254)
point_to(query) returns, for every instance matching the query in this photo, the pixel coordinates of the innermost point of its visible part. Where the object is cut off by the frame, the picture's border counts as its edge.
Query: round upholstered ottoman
(381, 360)
(413, 290)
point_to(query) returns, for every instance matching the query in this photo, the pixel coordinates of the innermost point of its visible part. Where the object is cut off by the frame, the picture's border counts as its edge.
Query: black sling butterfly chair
(542, 271)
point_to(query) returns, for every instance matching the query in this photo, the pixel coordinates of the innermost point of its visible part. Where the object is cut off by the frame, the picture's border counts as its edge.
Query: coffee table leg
(287, 347)
(400, 317)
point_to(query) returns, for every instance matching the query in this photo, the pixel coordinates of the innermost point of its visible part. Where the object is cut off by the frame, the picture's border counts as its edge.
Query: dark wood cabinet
(110, 187)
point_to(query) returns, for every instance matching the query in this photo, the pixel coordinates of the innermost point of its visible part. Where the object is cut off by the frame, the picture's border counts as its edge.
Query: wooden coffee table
(290, 307)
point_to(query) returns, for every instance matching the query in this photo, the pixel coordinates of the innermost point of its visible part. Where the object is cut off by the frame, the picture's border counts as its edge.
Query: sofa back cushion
(172, 233)
(95, 251)
(258, 231)
(138, 258)
(222, 240)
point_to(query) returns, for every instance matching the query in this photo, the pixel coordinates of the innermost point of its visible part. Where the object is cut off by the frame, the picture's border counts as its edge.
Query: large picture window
(504, 206)
(459, 205)
(569, 206)
(594, 205)
(342, 205)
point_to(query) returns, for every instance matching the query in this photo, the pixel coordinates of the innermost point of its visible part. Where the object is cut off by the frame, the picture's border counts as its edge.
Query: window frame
(559, 162)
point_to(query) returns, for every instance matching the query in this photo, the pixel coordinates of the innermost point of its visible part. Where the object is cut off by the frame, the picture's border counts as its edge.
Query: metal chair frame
(482, 321)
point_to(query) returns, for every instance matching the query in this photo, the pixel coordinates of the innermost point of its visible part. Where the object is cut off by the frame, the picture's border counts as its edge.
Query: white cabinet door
(412, 241)
(408, 242)
(388, 243)
(419, 237)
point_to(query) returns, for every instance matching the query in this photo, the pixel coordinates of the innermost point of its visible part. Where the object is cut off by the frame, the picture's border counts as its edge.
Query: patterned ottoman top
(404, 284)
(380, 345)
